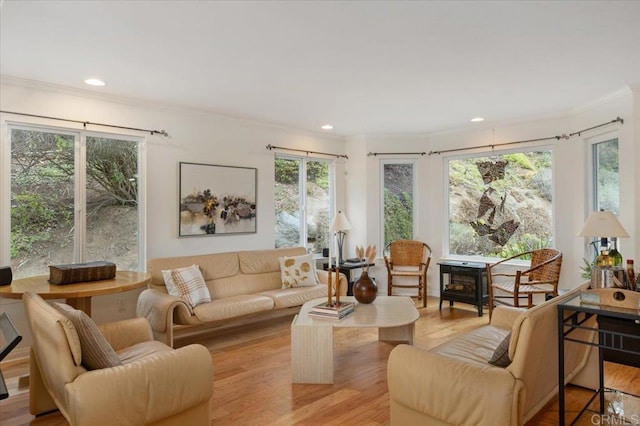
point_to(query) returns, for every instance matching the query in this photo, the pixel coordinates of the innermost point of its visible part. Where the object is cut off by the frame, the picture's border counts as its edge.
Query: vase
(365, 289)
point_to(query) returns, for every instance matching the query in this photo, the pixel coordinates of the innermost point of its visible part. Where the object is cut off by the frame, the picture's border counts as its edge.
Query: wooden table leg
(82, 303)
(311, 353)
(402, 333)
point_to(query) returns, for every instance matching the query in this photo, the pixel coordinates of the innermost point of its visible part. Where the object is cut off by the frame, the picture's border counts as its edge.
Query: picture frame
(216, 200)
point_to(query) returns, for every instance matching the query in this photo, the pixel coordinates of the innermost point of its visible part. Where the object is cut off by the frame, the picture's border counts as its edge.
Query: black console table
(618, 341)
(464, 282)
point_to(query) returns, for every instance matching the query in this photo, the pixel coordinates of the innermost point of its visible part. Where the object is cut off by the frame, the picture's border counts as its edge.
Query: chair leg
(423, 287)
(530, 301)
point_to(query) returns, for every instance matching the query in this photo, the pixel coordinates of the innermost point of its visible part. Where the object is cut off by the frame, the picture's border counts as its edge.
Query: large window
(74, 198)
(606, 177)
(500, 205)
(398, 192)
(303, 202)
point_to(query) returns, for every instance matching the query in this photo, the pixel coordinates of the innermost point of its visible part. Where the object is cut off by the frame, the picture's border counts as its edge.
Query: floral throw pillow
(188, 284)
(298, 271)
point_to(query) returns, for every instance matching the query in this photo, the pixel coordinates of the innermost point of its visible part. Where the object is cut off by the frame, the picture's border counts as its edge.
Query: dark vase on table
(365, 289)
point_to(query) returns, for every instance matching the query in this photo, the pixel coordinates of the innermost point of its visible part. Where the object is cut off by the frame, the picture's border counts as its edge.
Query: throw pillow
(298, 271)
(188, 284)
(96, 351)
(500, 356)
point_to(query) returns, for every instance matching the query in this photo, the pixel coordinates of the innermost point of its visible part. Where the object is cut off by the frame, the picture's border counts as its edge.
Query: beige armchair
(154, 384)
(454, 383)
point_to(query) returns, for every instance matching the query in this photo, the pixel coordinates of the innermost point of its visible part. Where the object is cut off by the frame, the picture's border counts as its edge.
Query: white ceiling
(367, 67)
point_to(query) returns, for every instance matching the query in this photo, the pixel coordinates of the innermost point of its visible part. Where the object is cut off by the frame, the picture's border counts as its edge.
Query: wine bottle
(604, 260)
(614, 253)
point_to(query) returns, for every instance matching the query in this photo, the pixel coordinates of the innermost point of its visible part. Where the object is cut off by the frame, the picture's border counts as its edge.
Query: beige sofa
(454, 384)
(242, 284)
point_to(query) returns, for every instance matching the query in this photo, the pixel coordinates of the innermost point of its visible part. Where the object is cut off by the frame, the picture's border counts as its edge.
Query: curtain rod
(395, 153)
(86, 123)
(563, 136)
(271, 147)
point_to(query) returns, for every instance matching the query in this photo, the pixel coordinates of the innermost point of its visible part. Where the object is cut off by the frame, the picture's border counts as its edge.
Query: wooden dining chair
(407, 258)
(541, 277)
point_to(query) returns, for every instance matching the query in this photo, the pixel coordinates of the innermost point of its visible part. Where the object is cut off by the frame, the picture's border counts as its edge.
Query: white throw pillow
(298, 271)
(188, 284)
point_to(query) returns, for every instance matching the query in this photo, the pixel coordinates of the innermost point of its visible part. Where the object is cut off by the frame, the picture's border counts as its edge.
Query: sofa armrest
(323, 277)
(145, 391)
(125, 333)
(451, 390)
(157, 307)
(505, 316)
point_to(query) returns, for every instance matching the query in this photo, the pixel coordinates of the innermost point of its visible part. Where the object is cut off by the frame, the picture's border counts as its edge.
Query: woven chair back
(407, 252)
(550, 271)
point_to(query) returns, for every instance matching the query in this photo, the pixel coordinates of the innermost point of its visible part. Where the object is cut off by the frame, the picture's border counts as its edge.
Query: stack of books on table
(333, 311)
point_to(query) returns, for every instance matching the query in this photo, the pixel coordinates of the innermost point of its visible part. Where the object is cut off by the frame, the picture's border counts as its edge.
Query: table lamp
(602, 224)
(339, 225)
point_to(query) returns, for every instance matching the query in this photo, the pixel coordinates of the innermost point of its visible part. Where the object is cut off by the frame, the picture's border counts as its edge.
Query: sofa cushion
(231, 307)
(213, 266)
(476, 346)
(296, 296)
(500, 357)
(96, 352)
(298, 271)
(188, 284)
(263, 261)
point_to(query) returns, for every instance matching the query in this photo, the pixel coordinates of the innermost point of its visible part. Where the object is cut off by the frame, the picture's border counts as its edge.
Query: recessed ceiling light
(94, 82)
(327, 127)
(477, 119)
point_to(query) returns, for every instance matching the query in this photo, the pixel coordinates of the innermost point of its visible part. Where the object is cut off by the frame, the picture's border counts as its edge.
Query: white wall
(571, 197)
(195, 136)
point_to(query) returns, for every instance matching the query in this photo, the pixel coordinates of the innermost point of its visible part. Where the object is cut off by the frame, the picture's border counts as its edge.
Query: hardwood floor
(252, 376)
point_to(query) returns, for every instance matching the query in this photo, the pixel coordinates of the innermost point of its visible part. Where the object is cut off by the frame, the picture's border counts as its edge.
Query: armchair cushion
(96, 353)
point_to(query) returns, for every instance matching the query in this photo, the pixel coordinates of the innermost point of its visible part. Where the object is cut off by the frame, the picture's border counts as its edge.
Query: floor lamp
(339, 225)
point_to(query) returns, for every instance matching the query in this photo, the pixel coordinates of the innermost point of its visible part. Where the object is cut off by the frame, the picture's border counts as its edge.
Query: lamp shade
(340, 223)
(602, 224)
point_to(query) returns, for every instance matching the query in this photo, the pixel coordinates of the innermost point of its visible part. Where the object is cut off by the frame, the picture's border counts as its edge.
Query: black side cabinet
(464, 282)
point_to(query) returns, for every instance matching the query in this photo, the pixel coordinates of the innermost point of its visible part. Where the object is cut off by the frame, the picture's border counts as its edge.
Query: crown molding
(164, 106)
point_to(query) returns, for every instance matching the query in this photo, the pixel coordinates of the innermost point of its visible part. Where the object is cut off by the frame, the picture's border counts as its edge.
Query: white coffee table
(312, 338)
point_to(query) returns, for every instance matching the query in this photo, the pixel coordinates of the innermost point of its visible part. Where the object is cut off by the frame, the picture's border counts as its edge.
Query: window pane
(287, 202)
(112, 202)
(317, 206)
(606, 176)
(398, 201)
(42, 200)
(500, 205)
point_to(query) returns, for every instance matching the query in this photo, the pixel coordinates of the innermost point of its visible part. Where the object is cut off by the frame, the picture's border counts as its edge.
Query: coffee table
(312, 338)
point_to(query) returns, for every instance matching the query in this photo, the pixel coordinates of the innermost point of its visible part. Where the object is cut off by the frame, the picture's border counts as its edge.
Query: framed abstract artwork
(217, 200)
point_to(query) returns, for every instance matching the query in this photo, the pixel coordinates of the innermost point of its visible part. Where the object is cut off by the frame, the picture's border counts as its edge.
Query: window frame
(302, 191)
(592, 199)
(415, 215)
(446, 231)
(79, 207)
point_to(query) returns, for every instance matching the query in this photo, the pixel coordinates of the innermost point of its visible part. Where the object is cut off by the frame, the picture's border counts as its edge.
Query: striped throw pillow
(96, 352)
(188, 284)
